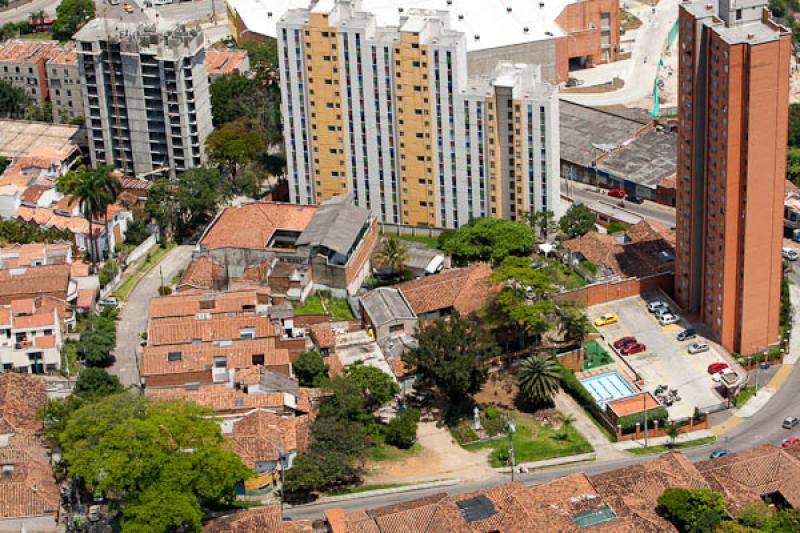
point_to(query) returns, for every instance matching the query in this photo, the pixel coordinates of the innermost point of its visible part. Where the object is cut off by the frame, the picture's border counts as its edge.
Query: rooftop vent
(399, 9)
(461, 17)
(525, 29)
(477, 37)
(508, 9)
(477, 508)
(269, 14)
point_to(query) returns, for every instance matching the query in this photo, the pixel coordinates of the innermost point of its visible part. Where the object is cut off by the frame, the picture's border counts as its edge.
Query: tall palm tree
(88, 187)
(112, 187)
(539, 378)
(392, 253)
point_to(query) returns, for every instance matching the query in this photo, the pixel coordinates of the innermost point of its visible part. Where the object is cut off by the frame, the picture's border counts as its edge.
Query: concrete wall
(483, 62)
(609, 291)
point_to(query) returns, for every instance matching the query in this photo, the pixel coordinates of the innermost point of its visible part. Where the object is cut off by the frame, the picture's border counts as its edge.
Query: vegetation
(262, 54)
(430, 242)
(321, 303)
(392, 253)
(71, 15)
(595, 356)
(233, 145)
(452, 355)
(22, 232)
(577, 221)
(628, 20)
(539, 378)
(107, 272)
(786, 12)
(543, 222)
(487, 239)
(310, 369)
(402, 430)
(134, 450)
(628, 422)
(616, 227)
(96, 382)
(676, 446)
(743, 395)
(692, 510)
(97, 340)
(311, 306)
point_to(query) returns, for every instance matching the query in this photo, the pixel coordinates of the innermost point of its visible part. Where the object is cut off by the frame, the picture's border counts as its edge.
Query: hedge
(575, 388)
(628, 422)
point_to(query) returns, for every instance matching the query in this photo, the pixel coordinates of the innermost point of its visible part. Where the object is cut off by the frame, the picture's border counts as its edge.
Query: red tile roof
(21, 395)
(251, 225)
(34, 280)
(220, 62)
(265, 519)
(180, 330)
(463, 289)
(221, 398)
(323, 336)
(263, 435)
(191, 303)
(30, 490)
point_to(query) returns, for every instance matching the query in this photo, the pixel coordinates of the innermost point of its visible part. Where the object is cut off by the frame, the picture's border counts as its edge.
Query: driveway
(134, 313)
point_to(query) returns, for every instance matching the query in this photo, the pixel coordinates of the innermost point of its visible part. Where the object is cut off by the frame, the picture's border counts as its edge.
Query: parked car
(606, 319)
(616, 193)
(655, 305)
(662, 311)
(790, 441)
(635, 198)
(715, 368)
(111, 301)
(631, 349)
(790, 421)
(685, 335)
(624, 341)
(668, 318)
(698, 347)
(790, 254)
(719, 452)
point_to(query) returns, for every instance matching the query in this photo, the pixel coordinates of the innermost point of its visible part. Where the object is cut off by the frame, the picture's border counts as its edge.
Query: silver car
(698, 347)
(668, 318)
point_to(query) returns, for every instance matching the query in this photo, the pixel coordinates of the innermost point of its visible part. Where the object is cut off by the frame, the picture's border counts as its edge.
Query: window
(220, 361)
(174, 356)
(258, 359)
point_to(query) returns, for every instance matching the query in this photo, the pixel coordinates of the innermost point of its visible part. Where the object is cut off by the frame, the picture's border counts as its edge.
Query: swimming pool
(607, 387)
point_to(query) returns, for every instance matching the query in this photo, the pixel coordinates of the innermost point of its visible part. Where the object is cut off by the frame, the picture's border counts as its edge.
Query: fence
(111, 286)
(608, 291)
(403, 229)
(142, 249)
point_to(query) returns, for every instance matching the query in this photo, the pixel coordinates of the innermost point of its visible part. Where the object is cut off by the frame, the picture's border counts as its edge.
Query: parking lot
(666, 360)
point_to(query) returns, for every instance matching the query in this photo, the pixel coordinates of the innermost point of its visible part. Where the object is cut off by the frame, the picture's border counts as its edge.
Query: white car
(668, 318)
(790, 255)
(698, 347)
(655, 305)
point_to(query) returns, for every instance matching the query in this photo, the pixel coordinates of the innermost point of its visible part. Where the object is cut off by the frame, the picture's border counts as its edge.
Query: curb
(378, 492)
(557, 461)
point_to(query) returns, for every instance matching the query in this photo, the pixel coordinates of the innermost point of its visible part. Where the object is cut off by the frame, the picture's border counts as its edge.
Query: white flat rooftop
(485, 23)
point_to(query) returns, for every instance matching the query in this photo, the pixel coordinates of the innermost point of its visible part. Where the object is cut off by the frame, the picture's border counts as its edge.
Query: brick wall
(357, 268)
(609, 291)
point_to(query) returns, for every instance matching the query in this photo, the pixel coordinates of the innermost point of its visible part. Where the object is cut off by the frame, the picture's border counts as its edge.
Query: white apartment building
(390, 115)
(30, 337)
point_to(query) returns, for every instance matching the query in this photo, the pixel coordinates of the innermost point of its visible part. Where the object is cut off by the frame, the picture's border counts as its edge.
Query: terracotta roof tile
(464, 289)
(265, 519)
(180, 330)
(263, 435)
(31, 489)
(323, 336)
(33, 193)
(191, 303)
(251, 225)
(220, 62)
(35, 280)
(221, 398)
(21, 395)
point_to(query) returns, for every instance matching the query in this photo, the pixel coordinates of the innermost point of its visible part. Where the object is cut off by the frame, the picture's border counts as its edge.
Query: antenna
(117, 140)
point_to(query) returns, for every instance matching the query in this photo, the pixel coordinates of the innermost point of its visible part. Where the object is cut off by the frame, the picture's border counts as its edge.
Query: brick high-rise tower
(733, 112)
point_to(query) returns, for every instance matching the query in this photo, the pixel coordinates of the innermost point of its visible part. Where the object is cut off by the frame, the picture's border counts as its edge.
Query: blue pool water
(607, 387)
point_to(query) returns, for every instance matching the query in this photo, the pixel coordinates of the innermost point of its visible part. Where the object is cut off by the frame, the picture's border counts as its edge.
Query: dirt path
(440, 458)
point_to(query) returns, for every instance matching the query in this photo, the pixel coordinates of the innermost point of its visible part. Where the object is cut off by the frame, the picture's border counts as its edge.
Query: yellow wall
(323, 93)
(233, 22)
(494, 161)
(417, 187)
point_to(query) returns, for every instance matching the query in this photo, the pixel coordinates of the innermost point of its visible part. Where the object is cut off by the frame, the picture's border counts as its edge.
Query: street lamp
(510, 429)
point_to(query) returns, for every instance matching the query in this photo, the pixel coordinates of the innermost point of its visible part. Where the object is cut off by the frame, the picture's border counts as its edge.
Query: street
(21, 12)
(133, 316)
(649, 210)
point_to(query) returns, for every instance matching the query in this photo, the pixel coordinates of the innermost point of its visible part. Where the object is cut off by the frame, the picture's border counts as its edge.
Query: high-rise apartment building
(145, 96)
(389, 115)
(733, 112)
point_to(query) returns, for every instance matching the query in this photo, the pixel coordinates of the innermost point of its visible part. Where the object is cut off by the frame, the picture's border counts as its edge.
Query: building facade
(22, 64)
(733, 115)
(151, 113)
(388, 114)
(64, 85)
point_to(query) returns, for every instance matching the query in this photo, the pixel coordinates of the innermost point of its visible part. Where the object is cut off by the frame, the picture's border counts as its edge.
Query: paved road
(133, 317)
(649, 210)
(639, 72)
(21, 13)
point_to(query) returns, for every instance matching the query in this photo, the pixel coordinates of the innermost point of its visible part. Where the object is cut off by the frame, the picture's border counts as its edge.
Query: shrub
(614, 227)
(164, 291)
(628, 422)
(493, 421)
(402, 430)
(590, 267)
(463, 432)
(575, 388)
(310, 369)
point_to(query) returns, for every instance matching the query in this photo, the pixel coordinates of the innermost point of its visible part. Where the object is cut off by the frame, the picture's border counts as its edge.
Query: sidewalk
(604, 449)
(663, 441)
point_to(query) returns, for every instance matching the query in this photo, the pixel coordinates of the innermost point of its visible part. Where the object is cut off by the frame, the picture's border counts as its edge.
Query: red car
(630, 349)
(790, 441)
(714, 368)
(616, 193)
(624, 341)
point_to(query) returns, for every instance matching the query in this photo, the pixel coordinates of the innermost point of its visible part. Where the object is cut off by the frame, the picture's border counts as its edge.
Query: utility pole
(644, 403)
(510, 429)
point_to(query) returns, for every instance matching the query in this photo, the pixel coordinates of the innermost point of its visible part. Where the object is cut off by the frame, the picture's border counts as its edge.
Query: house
(265, 519)
(29, 495)
(15, 255)
(52, 281)
(267, 441)
(286, 247)
(220, 62)
(30, 336)
(386, 311)
(463, 290)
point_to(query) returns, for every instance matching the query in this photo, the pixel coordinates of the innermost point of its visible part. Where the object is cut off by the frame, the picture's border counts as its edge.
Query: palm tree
(673, 430)
(539, 378)
(88, 186)
(392, 253)
(112, 187)
(565, 422)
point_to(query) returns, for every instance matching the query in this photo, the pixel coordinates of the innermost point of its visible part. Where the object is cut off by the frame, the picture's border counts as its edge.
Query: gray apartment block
(64, 85)
(150, 113)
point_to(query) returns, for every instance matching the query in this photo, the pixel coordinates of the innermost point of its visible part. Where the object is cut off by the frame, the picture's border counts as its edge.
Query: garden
(321, 303)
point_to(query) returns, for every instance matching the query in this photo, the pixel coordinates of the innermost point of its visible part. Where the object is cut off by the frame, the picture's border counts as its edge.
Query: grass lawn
(338, 308)
(127, 285)
(533, 441)
(744, 395)
(595, 356)
(387, 452)
(367, 488)
(312, 306)
(430, 242)
(678, 446)
(154, 257)
(71, 357)
(45, 35)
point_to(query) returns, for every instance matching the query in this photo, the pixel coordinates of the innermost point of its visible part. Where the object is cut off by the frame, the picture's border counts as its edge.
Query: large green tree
(452, 354)
(262, 54)
(539, 378)
(310, 369)
(97, 341)
(692, 510)
(137, 450)
(577, 221)
(14, 101)
(23, 232)
(96, 382)
(71, 15)
(233, 145)
(488, 239)
(94, 189)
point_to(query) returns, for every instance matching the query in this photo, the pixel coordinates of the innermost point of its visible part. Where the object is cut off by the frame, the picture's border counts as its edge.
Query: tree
(452, 354)
(539, 378)
(135, 450)
(794, 123)
(543, 222)
(136, 232)
(13, 101)
(488, 239)
(401, 431)
(793, 164)
(784, 521)
(23, 232)
(310, 369)
(91, 188)
(574, 323)
(376, 387)
(234, 96)
(71, 15)
(692, 510)
(97, 341)
(96, 382)
(565, 424)
(673, 430)
(233, 145)
(392, 253)
(262, 53)
(577, 221)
